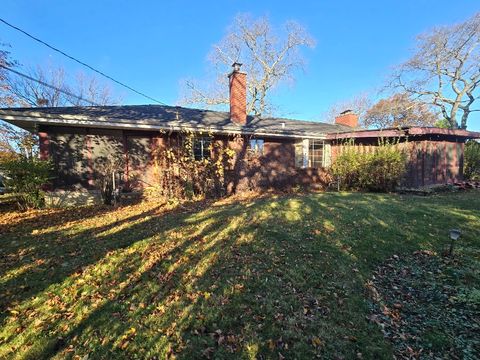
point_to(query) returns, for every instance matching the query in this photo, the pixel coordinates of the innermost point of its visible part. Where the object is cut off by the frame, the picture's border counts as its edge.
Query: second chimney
(348, 118)
(238, 95)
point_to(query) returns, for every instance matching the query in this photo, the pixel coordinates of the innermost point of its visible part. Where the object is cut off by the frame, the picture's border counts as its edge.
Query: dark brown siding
(431, 159)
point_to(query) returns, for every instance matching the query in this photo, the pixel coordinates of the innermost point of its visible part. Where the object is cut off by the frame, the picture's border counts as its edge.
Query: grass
(279, 277)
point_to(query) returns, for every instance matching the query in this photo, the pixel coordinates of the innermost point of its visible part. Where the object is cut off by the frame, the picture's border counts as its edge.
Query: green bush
(472, 160)
(25, 177)
(380, 170)
(347, 167)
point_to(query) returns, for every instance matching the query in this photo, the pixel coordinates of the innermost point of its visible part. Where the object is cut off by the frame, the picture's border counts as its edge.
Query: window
(315, 154)
(312, 154)
(256, 146)
(202, 148)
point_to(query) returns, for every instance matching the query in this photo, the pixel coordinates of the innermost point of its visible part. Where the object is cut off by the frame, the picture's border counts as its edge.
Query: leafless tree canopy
(83, 91)
(445, 70)
(359, 104)
(397, 111)
(19, 91)
(5, 60)
(14, 140)
(269, 59)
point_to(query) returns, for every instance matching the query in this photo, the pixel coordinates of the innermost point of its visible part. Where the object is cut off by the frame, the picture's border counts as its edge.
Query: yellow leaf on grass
(316, 341)
(271, 344)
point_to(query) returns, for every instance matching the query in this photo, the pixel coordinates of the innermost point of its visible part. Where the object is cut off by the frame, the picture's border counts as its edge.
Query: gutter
(413, 131)
(75, 122)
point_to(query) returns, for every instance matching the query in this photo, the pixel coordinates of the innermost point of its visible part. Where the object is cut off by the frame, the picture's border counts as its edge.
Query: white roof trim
(122, 124)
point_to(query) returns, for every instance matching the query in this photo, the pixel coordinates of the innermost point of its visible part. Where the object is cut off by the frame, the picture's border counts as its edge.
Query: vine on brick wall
(178, 175)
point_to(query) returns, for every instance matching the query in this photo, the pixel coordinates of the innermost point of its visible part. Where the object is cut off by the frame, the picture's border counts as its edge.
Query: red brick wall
(44, 145)
(349, 119)
(275, 169)
(238, 97)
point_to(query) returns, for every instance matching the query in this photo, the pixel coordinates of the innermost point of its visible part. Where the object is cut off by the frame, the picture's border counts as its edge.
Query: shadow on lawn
(57, 254)
(247, 279)
(38, 219)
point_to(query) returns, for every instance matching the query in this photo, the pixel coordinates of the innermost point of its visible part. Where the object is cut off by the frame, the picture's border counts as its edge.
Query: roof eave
(124, 125)
(413, 131)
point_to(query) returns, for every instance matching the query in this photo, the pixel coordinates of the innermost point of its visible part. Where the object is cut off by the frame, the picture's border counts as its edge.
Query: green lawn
(278, 277)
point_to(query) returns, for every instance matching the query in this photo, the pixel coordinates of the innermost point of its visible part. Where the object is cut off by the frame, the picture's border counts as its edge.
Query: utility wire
(80, 62)
(66, 92)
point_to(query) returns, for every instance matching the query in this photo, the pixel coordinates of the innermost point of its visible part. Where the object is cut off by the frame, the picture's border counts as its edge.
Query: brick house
(288, 152)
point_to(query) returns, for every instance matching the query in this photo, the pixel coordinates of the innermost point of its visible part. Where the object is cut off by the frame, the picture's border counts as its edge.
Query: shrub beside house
(472, 160)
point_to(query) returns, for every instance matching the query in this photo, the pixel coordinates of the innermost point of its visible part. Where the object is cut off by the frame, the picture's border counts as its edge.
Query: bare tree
(444, 71)
(19, 91)
(359, 104)
(13, 140)
(90, 89)
(397, 111)
(52, 89)
(5, 61)
(269, 59)
(29, 93)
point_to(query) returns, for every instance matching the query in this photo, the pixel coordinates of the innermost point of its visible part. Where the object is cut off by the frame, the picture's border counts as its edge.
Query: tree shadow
(41, 219)
(250, 279)
(32, 261)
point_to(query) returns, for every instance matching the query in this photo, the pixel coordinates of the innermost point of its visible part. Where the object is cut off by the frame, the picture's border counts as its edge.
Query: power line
(66, 92)
(80, 62)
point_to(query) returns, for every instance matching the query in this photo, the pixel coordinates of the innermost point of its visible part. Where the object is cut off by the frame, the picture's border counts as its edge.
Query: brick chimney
(348, 118)
(238, 95)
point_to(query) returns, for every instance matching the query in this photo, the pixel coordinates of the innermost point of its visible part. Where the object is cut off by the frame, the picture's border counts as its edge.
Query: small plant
(106, 171)
(26, 177)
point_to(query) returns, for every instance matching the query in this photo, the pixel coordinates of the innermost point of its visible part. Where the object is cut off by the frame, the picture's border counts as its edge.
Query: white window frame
(206, 151)
(326, 153)
(256, 146)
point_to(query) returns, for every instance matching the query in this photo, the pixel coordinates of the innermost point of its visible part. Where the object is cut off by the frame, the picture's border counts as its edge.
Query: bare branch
(444, 70)
(28, 93)
(269, 59)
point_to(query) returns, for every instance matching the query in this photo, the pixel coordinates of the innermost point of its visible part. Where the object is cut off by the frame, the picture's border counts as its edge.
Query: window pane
(256, 146)
(201, 148)
(315, 154)
(299, 155)
(206, 149)
(260, 146)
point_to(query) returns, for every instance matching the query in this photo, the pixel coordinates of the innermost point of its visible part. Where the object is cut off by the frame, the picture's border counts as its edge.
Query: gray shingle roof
(142, 116)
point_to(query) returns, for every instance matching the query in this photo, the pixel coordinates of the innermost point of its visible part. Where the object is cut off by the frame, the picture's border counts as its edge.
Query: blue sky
(153, 45)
